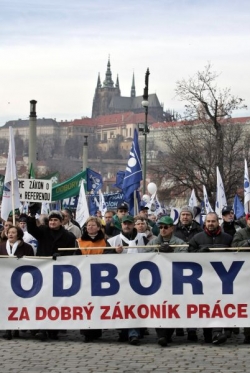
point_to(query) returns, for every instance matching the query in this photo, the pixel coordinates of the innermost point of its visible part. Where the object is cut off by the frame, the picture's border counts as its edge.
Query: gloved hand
(55, 256)
(204, 250)
(34, 208)
(77, 252)
(165, 248)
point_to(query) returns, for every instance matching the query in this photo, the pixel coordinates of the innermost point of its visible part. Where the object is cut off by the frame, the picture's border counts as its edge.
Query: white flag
(246, 189)
(82, 210)
(221, 200)
(102, 203)
(208, 207)
(193, 200)
(45, 208)
(154, 205)
(11, 197)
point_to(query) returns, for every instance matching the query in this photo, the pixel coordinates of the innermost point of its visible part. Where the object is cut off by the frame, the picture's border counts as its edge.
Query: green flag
(32, 174)
(54, 177)
(69, 188)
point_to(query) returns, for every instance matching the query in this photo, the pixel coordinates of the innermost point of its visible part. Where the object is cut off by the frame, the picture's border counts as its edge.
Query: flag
(32, 174)
(102, 203)
(119, 179)
(208, 207)
(154, 205)
(238, 207)
(220, 195)
(82, 211)
(246, 189)
(133, 173)
(11, 198)
(94, 181)
(174, 214)
(54, 177)
(45, 209)
(192, 200)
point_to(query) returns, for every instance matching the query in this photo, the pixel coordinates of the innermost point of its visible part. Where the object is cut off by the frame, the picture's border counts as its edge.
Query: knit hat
(187, 209)
(55, 214)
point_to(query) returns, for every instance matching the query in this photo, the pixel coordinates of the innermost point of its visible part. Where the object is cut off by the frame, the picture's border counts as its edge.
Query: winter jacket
(187, 232)
(22, 249)
(85, 243)
(242, 238)
(49, 240)
(173, 241)
(205, 240)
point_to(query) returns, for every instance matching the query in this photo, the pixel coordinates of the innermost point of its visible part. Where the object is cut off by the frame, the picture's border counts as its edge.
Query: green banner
(68, 188)
(1, 184)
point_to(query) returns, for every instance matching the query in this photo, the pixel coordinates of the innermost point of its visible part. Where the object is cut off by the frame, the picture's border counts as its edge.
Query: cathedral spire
(117, 85)
(108, 82)
(99, 85)
(133, 86)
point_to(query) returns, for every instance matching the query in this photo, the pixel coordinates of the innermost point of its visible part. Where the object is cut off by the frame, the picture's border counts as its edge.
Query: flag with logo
(221, 200)
(133, 173)
(246, 189)
(94, 181)
(193, 199)
(11, 198)
(207, 205)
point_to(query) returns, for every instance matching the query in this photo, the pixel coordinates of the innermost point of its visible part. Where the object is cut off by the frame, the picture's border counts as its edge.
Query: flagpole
(12, 179)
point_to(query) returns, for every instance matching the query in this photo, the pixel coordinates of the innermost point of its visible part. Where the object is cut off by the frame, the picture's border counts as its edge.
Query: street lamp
(145, 129)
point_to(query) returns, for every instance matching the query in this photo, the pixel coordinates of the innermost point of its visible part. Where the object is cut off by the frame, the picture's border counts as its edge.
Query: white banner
(35, 190)
(113, 291)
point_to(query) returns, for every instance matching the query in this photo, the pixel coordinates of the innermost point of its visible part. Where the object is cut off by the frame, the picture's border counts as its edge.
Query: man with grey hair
(186, 227)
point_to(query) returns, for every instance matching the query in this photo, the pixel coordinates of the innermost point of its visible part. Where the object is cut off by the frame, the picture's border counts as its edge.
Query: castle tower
(104, 93)
(132, 94)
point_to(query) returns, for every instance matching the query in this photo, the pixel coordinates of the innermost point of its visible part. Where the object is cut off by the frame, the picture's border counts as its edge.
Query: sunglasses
(164, 226)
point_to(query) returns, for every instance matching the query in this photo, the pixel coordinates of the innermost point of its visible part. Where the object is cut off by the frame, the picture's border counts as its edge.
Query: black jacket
(203, 240)
(49, 240)
(186, 233)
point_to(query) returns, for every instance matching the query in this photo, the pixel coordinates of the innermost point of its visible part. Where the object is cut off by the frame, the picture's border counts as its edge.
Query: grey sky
(52, 51)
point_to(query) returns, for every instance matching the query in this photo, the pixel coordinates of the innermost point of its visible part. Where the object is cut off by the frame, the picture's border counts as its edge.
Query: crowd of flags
(127, 181)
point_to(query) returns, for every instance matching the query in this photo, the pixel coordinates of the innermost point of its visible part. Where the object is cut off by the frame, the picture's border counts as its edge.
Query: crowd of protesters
(117, 232)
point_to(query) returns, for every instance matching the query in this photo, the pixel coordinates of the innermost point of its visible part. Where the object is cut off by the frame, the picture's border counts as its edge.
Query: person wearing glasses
(68, 225)
(168, 243)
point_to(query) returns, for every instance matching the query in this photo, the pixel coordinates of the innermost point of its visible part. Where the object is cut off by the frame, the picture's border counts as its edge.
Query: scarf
(11, 249)
(131, 244)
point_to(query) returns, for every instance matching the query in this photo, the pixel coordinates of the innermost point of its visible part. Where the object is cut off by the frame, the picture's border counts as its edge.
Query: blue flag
(238, 207)
(133, 173)
(94, 180)
(119, 179)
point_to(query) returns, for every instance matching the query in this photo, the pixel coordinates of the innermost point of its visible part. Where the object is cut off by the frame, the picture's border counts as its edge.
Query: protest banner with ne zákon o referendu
(35, 190)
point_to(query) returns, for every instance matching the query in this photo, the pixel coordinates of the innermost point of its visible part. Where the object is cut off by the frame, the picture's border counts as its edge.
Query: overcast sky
(52, 50)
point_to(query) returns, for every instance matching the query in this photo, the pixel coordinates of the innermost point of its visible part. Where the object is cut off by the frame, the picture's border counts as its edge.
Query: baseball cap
(166, 220)
(128, 218)
(122, 206)
(227, 209)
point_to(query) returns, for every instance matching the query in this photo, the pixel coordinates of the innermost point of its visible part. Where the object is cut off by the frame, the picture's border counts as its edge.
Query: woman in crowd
(92, 237)
(15, 246)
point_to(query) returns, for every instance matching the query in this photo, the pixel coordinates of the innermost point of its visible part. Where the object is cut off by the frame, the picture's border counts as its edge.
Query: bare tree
(208, 103)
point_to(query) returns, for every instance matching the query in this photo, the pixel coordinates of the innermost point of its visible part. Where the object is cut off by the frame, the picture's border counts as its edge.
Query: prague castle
(108, 99)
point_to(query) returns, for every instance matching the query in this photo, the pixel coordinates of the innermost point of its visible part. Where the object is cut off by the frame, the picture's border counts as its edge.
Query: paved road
(70, 354)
